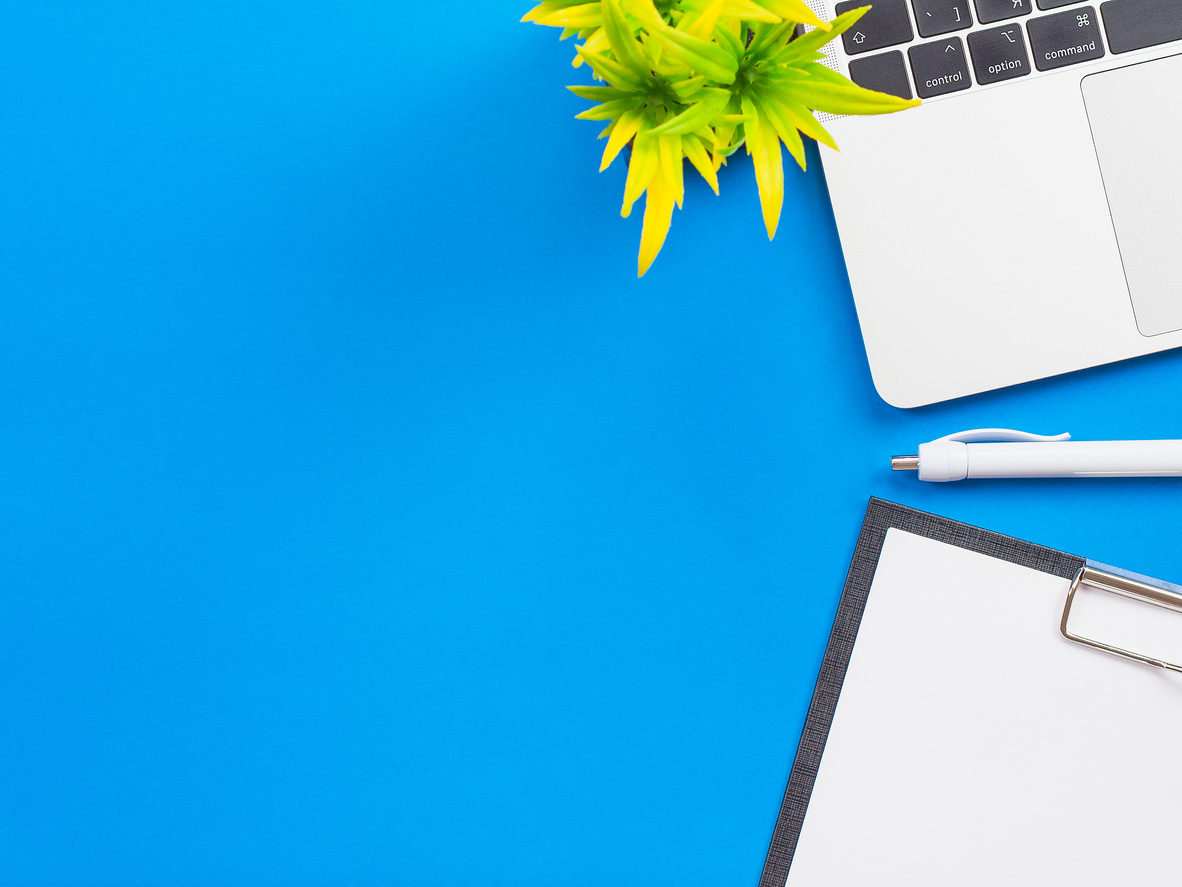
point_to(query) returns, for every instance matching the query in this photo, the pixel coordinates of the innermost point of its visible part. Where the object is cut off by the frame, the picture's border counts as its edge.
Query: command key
(1066, 38)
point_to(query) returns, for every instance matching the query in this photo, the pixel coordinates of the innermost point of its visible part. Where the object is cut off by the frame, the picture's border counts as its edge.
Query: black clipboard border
(881, 516)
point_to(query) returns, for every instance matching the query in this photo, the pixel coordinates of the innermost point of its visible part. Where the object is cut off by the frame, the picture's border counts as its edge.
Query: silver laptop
(1026, 220)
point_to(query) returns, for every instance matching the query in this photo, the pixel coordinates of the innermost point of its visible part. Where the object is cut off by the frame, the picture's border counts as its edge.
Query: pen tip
(904, 463)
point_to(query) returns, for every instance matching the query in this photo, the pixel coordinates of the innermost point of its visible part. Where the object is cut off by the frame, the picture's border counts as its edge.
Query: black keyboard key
(999, 54)
(1135, 24)
(934, 17)
(886, 24)
(884, 73)
(1054, 4)
(999, 10)
(1065, 38)
(939, 67)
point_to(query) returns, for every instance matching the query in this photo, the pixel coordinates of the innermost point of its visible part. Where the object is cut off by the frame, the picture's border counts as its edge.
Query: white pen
(1000, 452)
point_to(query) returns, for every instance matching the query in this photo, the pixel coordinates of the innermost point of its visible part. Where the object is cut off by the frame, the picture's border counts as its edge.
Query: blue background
(365, 520)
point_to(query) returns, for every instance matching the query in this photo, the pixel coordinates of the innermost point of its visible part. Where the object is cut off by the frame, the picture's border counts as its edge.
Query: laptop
(1026, 219)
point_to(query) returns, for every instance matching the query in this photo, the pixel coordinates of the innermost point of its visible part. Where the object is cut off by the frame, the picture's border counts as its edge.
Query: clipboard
(974, 722)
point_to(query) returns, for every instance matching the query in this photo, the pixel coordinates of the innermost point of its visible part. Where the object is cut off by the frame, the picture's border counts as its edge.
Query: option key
(999, 54)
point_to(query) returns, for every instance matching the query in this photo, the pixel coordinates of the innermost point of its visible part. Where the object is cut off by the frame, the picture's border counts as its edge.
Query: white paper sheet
(973, 745)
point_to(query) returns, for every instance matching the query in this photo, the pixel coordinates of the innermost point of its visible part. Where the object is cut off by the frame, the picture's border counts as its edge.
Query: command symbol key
(1065, 38)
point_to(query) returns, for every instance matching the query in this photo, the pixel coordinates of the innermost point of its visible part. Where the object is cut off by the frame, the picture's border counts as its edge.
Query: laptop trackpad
(1138, 136)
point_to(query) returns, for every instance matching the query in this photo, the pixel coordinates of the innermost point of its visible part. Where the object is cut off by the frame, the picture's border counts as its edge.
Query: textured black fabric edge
(881, 516)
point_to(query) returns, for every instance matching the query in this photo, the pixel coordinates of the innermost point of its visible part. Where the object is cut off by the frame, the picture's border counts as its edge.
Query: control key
(940, 67)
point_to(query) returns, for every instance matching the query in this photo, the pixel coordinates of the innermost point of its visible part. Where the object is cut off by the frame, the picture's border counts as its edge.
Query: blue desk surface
(366, 521)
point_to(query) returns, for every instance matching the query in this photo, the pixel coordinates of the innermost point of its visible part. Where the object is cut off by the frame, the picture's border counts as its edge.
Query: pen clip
(1000, 435)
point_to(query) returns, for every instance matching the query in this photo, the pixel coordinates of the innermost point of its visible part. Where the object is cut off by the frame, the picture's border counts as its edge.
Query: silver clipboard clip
(1126, 587)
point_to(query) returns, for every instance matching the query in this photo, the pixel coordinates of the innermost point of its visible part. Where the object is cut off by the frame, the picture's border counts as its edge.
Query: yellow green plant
(697, 79)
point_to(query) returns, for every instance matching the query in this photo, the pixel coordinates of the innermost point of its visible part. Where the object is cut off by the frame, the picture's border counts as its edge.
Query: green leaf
(701, 22)
(609, 69)
(846, 99)
(584, 15)
(625, 128)
(641, 169)
(815, 39)
(671, 165)
(624, 46)
(599, 93)
(732, 44)
(644, 12)
(793, 11)
(701, 55)
(611, 110)
(696, 152)
(824, 73)
(658, 213)
(544, 9)
(686, 88)
(749, 11)
(763, 144)
(769, 40)
(697, 115)
(706, 136)
(786, 129)
(802, 119)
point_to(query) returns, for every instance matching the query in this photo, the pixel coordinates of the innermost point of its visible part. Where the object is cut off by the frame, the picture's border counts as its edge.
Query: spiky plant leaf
(697, 80)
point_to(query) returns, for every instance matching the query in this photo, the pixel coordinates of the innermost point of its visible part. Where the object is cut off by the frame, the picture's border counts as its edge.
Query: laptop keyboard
(1028, 35)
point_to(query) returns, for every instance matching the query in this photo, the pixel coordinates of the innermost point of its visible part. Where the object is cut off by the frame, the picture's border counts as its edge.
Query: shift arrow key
(886, 24)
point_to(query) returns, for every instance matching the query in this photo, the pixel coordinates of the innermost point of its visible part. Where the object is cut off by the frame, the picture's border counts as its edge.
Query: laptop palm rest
(1138, 137)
